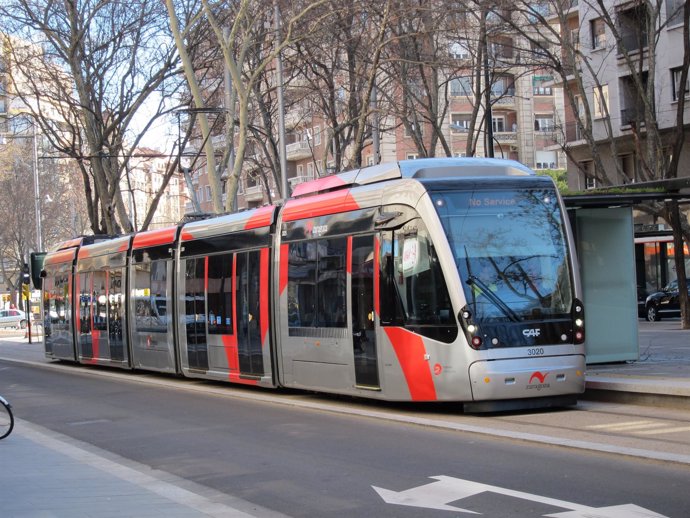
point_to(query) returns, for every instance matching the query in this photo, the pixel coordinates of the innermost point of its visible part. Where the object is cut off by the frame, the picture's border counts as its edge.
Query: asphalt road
(313, 463)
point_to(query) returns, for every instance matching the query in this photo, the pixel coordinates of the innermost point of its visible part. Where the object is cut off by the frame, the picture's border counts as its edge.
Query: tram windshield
(510, 251)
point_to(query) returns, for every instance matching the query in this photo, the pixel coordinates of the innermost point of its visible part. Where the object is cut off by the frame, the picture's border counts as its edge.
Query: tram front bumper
(527, 377)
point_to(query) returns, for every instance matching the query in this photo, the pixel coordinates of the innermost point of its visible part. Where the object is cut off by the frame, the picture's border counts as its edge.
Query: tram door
(363, 332)
(195, 314)
(248, 304)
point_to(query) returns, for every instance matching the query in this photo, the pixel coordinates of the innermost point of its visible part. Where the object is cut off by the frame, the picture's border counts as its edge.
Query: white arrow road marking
(437, 495)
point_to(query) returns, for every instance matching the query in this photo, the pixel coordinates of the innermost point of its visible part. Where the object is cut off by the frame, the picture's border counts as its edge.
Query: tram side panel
(223, 304)
(325, 293)
(151, 313)
(101, 295)
(58, 305)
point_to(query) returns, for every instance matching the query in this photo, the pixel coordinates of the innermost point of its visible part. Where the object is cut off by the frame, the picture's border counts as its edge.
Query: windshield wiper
(495, 299)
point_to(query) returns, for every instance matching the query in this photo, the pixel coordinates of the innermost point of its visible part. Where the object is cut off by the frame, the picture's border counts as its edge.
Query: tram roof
(423, 168)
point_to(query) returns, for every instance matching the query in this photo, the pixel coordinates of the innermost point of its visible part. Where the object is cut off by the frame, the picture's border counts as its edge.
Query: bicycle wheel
(6, 418)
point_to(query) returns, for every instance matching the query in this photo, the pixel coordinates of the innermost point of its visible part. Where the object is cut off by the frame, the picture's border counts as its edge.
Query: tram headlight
(471, 329)
(578, 316)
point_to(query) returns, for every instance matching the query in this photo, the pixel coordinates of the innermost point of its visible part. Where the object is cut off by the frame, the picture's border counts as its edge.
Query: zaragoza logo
(540, 377)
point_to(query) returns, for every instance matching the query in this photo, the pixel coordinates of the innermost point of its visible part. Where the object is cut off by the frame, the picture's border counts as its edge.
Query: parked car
(664, 303)
(642, 294)
(12, 318)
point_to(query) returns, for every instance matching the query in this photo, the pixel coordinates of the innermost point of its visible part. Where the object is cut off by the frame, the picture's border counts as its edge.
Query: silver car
(12, 318)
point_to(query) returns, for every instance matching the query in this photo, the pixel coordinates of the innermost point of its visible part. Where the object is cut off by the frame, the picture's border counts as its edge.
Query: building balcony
(570, 134)
(506, 137)
(296, 180)
(632, 43)
(632, 116)
(298, 150)
(254, 193)
(505, 99)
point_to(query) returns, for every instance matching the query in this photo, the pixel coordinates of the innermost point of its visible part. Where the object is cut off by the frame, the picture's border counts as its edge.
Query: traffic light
(26, 276)
(26, 292)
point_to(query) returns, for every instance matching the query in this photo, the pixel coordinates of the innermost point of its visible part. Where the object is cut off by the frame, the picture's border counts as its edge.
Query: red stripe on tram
(410, 350)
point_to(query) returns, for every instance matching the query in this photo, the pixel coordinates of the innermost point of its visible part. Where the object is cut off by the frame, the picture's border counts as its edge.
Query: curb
(667, 393)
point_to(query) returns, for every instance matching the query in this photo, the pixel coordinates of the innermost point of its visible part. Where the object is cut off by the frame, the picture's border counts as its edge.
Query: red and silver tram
(423, 280)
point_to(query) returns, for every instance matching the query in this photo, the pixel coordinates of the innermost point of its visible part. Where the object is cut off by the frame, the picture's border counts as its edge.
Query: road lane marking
(446, 490)
(678, 429)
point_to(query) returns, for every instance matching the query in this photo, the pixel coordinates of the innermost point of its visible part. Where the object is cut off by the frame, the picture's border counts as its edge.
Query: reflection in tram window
(220, 294)
(316, 283)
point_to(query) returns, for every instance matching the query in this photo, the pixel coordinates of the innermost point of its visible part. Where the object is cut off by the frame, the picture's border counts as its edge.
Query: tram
(424, 280)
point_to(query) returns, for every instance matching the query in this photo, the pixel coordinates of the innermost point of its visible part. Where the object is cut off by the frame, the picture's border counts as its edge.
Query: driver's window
(419, 284)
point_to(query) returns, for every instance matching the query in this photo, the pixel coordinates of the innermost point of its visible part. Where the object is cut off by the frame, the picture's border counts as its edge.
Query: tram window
(195, 270)
(100, 301)
(316, 283)
(220, 294)
(150, 297)
(419, 290)
(85, 303)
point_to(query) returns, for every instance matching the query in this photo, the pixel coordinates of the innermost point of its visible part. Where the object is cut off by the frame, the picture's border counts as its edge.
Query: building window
(674, 12)
(538, 85)
(317, 135)
(459, 49)
(498, 123)
(587, 168)
(460, 122)
(412, 156)
(543, 123)
(300, 169)
(598, 27)
(601, 101)
(546, 160)
(675, 81)
(412, 128)
(208, 193)
(503, 86)
(460, 86)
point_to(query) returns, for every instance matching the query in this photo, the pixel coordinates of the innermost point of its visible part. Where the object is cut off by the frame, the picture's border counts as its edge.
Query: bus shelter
(604, 234)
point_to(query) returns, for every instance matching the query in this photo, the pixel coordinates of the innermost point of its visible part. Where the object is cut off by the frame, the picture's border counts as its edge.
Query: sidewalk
(46, 475)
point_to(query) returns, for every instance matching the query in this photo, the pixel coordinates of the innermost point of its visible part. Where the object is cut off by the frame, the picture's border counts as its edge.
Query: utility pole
(375, 135)
(229, 119)
(488, 121)
(281, 110)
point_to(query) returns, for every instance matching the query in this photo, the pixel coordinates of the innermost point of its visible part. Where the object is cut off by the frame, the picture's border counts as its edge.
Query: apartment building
(142, 180)
(614, 47)
(525, 108)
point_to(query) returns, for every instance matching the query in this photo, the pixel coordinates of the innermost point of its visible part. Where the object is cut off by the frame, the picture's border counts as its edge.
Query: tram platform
(661, 375)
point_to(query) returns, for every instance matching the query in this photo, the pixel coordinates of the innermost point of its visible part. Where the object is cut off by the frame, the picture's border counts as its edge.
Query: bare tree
(85, 71)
